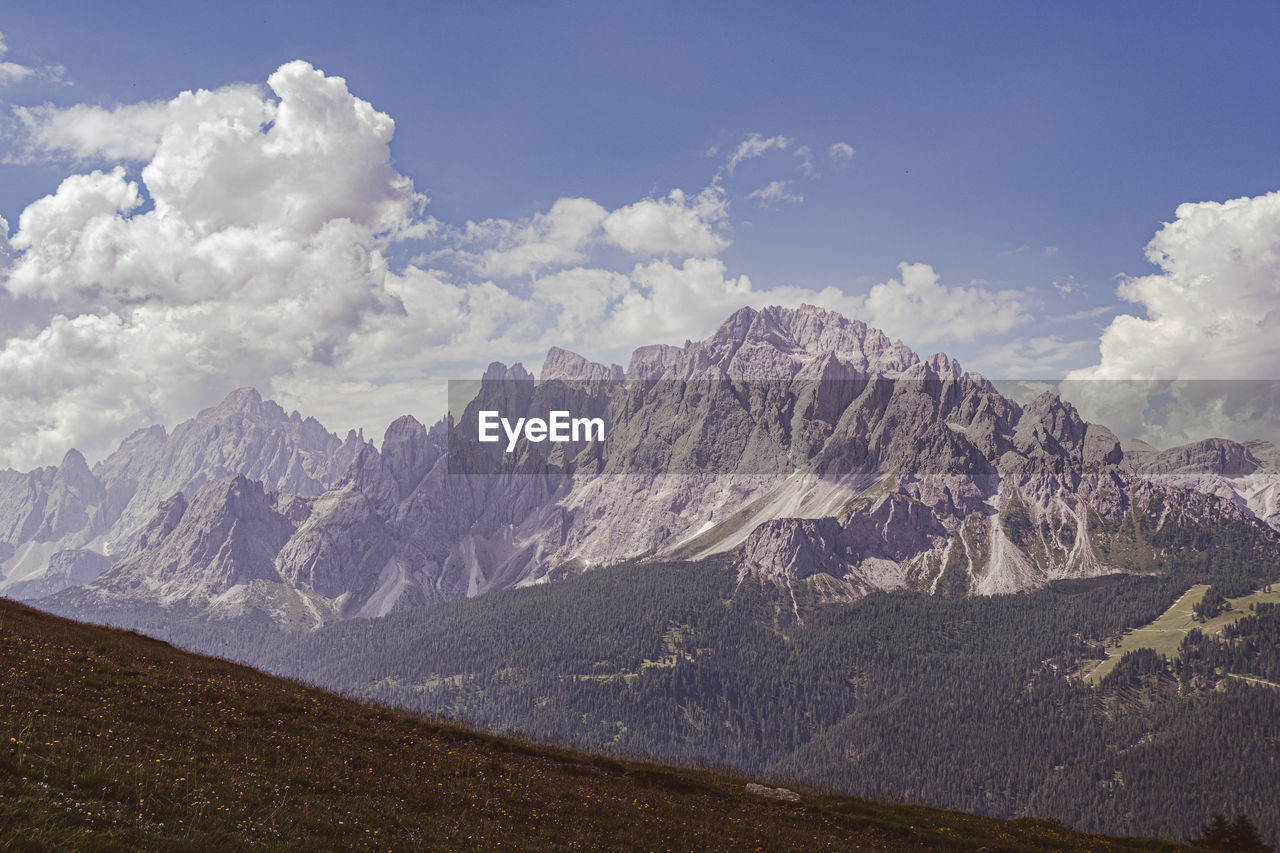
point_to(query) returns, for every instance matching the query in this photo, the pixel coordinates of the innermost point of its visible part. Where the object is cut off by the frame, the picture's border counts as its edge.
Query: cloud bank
(252, 235)
(225, 262)
(1212, 316)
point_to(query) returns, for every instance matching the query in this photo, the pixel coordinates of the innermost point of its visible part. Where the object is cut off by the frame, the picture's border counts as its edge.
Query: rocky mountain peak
(73, 465)
(867, 349)
(245, 400)
(655, 360)
(1211, 456)
(776, 343)
(241, 496)
(402, 429)
(1049, 426)
(72, 501)
(405, 452)
(499, 372)
(942, 366)
(103, 510)
(566, 365)
(227, 536)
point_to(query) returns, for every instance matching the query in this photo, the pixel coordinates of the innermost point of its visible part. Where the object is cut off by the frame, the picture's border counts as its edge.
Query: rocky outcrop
(243, 434)
(65, 569)
(49, 503)
(773, 793)
(1101, 447)
(1212, 456)
(799, 548)
(228, 535)
(776, 343)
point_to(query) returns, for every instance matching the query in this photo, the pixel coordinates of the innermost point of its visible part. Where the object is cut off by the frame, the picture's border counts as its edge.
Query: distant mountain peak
(563, 364)
(246, 399)
(780, 343)
(499, 372)
(103, 510)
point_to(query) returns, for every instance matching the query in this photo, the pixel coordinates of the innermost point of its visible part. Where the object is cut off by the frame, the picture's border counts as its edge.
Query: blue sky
(1026, 153)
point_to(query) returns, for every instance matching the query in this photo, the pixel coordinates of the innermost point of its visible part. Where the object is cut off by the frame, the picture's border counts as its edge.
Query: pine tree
(1236, 836)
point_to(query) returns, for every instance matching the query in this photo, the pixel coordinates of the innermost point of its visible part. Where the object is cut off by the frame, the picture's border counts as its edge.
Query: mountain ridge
(796, 437)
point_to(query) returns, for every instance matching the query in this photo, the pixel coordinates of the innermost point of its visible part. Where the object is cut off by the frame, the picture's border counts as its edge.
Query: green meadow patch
(1166, 633)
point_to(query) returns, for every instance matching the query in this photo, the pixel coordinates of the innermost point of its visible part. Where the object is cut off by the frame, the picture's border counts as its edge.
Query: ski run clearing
(1165, 634)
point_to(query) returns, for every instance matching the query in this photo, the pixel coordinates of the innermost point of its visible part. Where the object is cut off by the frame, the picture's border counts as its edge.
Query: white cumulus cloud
(1213, 310)
(917, 307)
(225, 262)
(555, 238)
(563, 236)
(678, 224)
(1210, 315)
(127, 132)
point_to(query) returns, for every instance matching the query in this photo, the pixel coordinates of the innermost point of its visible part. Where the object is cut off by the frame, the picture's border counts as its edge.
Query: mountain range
(63, 525)
(812, 447)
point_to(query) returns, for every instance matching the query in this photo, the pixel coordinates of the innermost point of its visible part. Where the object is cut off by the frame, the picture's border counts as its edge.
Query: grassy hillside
(110, 740)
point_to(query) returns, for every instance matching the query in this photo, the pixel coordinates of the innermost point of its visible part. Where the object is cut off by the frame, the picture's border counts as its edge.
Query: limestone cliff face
(227, 536)
(776, 343)
(1246, 474)
(49, 503)
(218, 552)
(811, 446)
(242, 435)
(100, 512)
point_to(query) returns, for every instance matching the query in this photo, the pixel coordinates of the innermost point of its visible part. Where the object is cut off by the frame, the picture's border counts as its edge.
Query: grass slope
(113, 741)
(1166, 633)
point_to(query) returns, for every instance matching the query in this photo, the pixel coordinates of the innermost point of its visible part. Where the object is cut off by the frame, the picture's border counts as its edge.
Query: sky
(345, 206)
